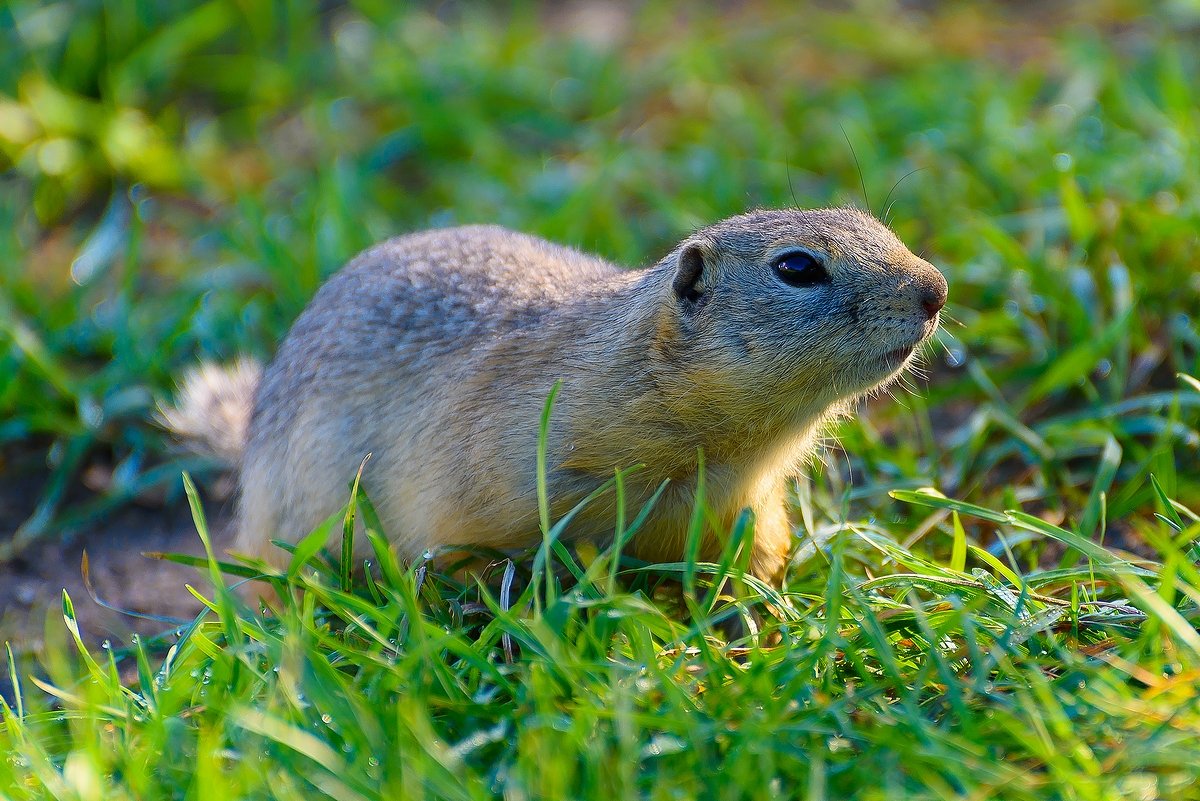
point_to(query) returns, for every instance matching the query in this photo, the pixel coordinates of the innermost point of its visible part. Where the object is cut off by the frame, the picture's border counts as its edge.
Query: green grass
(180, 178)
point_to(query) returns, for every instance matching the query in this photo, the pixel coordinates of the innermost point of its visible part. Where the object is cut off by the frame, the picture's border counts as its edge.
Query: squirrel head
(819, 305)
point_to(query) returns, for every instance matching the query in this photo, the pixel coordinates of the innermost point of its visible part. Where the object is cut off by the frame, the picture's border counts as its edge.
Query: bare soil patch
(31, 585)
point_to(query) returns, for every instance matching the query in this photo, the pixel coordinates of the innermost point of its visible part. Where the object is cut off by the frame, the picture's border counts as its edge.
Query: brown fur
(435, 352)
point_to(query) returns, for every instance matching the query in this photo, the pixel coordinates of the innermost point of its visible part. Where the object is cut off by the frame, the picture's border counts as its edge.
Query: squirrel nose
(933, 304)
(933, 296)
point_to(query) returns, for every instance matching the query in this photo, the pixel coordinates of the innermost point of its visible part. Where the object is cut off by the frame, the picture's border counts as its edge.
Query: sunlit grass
(926, 681)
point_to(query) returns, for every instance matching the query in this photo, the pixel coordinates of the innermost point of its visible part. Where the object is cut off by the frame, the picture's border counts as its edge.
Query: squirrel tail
(211, 413)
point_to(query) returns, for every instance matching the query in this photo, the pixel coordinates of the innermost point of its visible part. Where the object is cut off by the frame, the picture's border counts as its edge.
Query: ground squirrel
(435, 352)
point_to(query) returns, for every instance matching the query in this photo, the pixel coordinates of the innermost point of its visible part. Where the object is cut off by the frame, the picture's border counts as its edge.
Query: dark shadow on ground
(31, 584)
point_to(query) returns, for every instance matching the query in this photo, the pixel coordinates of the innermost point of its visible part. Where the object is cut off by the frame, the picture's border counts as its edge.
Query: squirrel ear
(689, 283)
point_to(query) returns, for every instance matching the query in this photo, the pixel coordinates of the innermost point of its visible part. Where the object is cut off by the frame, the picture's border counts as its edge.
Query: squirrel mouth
(895, 358)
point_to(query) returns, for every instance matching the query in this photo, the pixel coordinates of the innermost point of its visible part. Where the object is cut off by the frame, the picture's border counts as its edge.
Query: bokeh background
(177, 178)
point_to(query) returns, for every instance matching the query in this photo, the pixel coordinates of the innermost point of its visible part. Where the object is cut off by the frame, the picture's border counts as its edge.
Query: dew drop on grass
(837, 743)
(327, 718)
(90, 412)
(1104, 368)
(662, 744)
(1166, 202)
(1063, 162)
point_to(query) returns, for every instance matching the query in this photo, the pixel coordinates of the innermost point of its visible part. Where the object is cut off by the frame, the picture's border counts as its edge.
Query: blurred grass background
(178, 178)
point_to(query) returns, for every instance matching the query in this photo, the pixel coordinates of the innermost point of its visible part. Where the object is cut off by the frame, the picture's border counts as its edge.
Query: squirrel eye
(801, 269)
